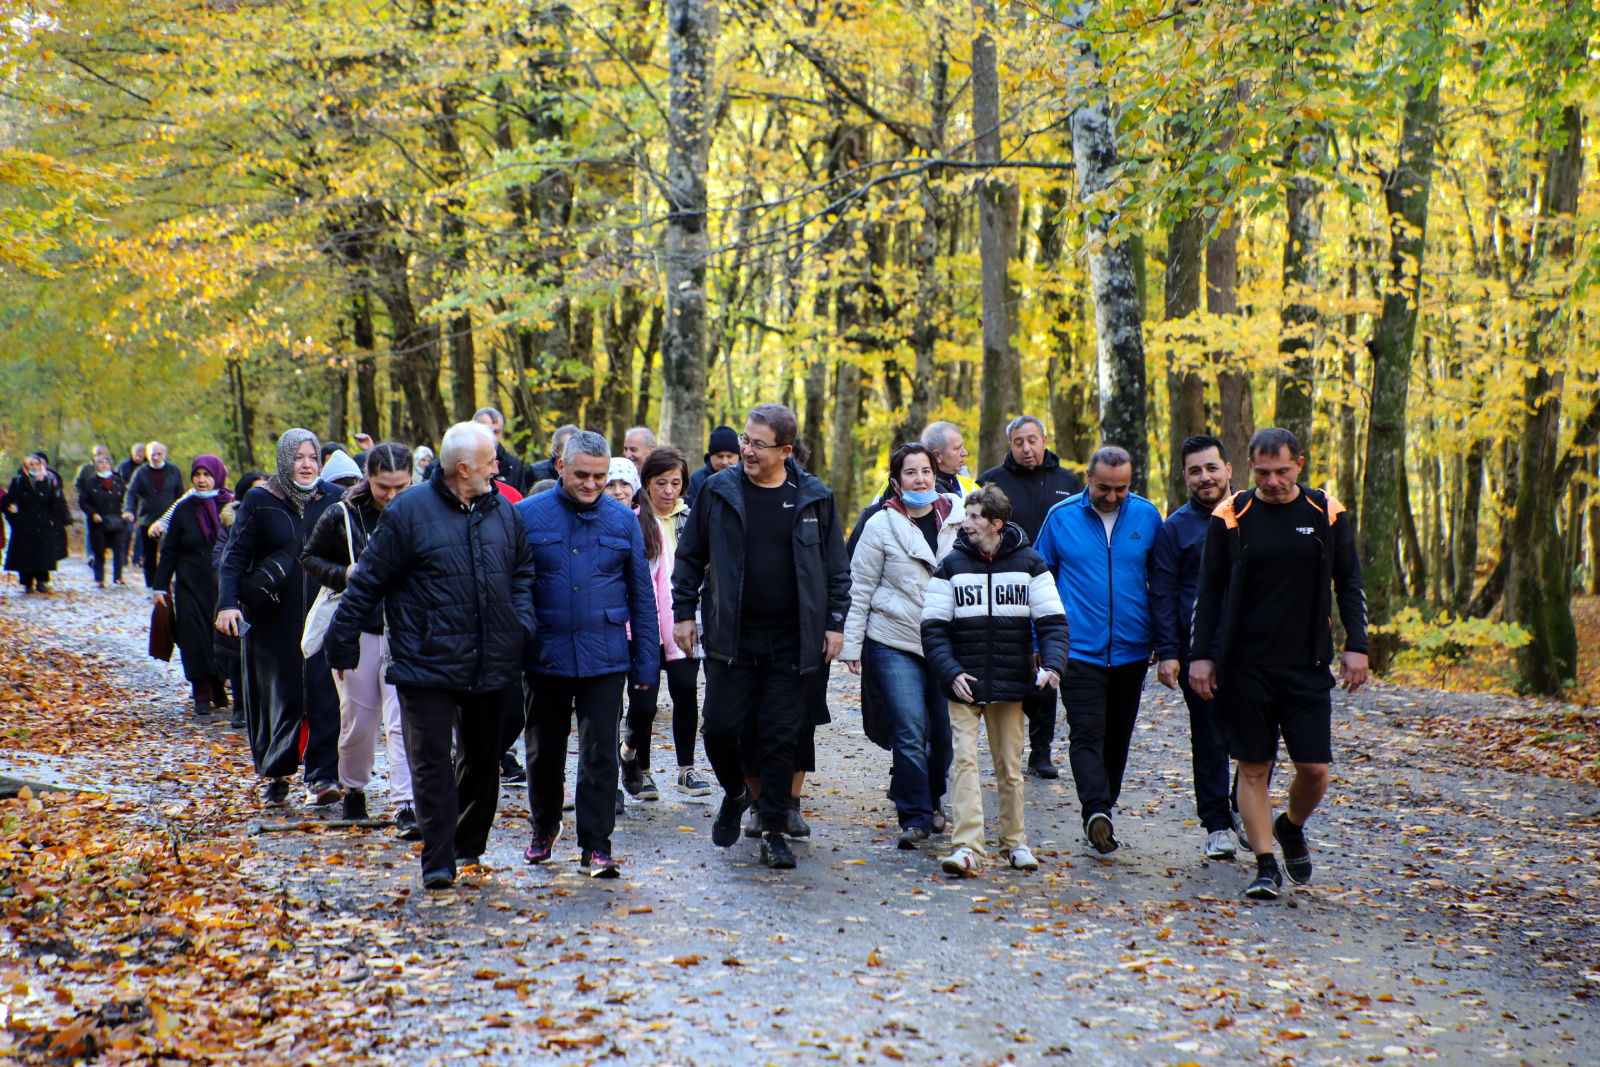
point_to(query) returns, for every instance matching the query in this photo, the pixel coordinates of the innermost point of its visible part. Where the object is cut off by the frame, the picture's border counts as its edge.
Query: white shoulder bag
(326, 603)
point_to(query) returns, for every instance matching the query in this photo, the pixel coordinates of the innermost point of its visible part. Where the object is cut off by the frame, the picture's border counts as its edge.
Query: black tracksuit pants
(1208, 745)
(1040, 708)
(552, 703)
(762, 688)
(455, 804)
(1102, 705)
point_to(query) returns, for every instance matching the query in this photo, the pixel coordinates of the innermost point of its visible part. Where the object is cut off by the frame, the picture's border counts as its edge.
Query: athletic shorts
(1257, 703)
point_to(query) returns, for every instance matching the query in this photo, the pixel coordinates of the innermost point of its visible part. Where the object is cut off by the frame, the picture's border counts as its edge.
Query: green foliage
(1440, 642)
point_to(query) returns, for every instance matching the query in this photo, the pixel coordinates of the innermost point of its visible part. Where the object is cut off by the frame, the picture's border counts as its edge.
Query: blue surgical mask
(207, 495)
(921, 499)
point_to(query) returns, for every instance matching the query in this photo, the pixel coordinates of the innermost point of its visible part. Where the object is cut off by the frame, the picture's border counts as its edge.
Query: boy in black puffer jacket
(986, 605)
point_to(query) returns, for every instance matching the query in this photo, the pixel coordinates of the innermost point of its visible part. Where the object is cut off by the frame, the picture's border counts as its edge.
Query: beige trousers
(1008, 730)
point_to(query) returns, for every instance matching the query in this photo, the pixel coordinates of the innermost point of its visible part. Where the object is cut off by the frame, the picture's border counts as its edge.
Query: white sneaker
(1221, 845)
(1238, 832)
(1024, 860)
(963, 861)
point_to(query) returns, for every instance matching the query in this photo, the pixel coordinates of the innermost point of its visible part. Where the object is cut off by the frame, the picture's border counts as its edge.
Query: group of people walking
(489, 598)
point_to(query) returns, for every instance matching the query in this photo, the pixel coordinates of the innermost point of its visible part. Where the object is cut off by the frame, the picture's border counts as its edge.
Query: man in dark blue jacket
(1098, 544)
(592, 585)
(1174, 574)
(452, 569)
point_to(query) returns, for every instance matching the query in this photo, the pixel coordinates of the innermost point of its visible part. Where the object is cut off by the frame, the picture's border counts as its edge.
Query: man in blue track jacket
(1098, 545)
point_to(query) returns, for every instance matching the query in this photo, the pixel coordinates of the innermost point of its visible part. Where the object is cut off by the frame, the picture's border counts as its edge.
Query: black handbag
(263, 587)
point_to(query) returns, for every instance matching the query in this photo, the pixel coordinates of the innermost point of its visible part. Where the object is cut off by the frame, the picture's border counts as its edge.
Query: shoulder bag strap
(349, 541)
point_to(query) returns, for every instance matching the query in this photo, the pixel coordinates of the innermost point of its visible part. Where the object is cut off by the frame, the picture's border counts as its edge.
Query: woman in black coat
(185, 568)
(100, 496)
(38, 516)
(261, 574)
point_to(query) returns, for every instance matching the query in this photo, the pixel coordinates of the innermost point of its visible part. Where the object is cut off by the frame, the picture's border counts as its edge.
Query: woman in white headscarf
(264, 588)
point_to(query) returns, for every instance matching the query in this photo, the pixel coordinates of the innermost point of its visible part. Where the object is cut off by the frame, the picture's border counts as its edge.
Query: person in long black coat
(100, 493)
(185, 572)
(37, 514)
(261, 574)
(225, 645)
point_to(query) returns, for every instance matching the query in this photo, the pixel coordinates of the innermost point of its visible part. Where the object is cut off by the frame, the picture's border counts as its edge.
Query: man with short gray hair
(512, 470)
(154, 488)
(637, 443)
(949, 449)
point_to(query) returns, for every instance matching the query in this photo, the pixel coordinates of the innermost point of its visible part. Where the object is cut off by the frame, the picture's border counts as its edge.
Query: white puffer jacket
(889, 575)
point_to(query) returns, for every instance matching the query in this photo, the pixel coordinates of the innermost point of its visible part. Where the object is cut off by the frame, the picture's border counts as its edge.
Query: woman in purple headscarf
(185, 572)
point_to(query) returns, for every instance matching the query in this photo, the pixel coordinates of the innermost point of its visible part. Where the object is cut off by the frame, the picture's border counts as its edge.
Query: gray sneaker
(1238, 831)
(1221, 845)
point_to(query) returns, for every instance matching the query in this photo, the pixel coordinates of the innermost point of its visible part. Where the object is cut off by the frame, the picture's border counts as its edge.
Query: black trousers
(99, 543)
(552, 703)
(455, 803)
(682, 684)
(1102, 704)
(761, 689)
(1040, 708)
(150, 546)
(1208, 745)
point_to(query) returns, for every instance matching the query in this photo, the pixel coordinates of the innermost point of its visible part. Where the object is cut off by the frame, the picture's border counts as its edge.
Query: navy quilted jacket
(455, 583)
(591, 582)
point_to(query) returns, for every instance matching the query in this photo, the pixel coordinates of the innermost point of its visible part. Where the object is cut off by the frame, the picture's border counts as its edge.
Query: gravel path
(1452, 917)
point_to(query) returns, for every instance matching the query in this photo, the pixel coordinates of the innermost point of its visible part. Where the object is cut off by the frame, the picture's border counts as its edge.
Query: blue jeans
(919, 718)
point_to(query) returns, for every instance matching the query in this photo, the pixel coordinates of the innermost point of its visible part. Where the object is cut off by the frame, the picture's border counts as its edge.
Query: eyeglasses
(755, 446)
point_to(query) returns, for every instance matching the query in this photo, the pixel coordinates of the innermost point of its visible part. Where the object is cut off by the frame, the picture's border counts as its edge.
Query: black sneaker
(752, 822)
(1296, 853)
(1041, 766)
(910, 838)
(511, 770)
(941, 820)
(1101, 834)
(597, 863)
(202, 707)
(725, 829)
(632, 776)
(775, 852)
(439, 879)
(355, 805)
(1268, 884)
(622, 803)
(539, 849)
(278, 792)
(406, 823)
(794, 824)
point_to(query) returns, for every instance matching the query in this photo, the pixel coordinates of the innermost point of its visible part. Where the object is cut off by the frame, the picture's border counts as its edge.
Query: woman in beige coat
(899, 549)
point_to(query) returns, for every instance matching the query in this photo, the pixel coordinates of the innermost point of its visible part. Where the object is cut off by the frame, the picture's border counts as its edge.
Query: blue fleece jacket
(1104, 582)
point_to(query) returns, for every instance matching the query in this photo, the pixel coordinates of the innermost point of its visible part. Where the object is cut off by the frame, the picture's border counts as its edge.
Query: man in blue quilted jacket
(596, 612)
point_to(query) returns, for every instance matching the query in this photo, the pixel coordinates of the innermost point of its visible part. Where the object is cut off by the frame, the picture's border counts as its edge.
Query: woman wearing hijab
(185, 572)
(38, 516)
(286, 695)
(100, 499)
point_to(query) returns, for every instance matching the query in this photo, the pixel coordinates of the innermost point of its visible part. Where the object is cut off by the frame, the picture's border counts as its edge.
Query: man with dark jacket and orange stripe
(1274, 556)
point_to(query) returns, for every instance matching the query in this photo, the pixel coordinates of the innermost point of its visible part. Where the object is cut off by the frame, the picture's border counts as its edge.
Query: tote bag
(326, 603)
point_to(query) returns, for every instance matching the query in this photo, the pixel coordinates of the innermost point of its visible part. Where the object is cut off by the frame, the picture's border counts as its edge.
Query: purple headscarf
(206, 508)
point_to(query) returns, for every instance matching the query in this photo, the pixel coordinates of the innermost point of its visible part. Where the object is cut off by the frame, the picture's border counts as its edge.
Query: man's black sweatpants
(455, 804)
(1102, 704)
(761, 687)
(1208, 745)
(1040, 709)
(597, 702)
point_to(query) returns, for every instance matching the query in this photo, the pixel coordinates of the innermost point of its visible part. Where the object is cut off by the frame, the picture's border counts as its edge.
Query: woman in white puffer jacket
(899, 549)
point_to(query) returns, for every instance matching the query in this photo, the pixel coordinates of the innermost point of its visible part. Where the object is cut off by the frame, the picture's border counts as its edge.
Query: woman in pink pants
(366, 701)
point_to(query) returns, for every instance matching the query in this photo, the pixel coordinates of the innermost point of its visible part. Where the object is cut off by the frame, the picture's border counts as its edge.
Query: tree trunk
(1467, 526)
(371, 418)
(846, 413)
(619, 333)
(1236, 420)
(1186, 390)
(1302, 277)
(338, 406)
(463, 368)
(925, 326)
(244, 416)
(691, 34)
(1415, 561)
(1347, 410)
(814, 432)
(1002, 370)
(1594, 530)
(1406, 194)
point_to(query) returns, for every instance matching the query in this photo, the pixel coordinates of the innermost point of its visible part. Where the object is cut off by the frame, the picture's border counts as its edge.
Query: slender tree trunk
(925, 327)
(1406, 195)
(691, 35)
(1064, 372)
(1594, 529)
(652, 345)
(366, 365)
(1302, 277)
(1415, 560)
(846, 414)
(338, 404)
(1467, 526)
(1002, 371)
(1186, 390)
(814, 432)
(1236, 421)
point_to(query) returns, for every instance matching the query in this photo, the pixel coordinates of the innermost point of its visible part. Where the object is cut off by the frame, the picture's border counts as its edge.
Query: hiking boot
(597, 863)
(752, 822)
(775, 852)
(1268, 884)
(405, 824)
(1024, 860)
(511, 770)
(322, 793)
(1100, 833)
(1220, 845)
(910, 838)
(963, 862)
(543, 843)
(439, 879)
(691, 784)
(725, 829)
(1041, 766)
(632, 776)
(794, 824)
(355, 805)
(1296, 853)
(278, 792)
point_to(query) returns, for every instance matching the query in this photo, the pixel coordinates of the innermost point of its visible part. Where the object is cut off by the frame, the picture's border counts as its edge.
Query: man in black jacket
(155, 487)
(1034, 481)
(126, 469)
(512, 470)
(1261, 633)
(764, 546)
(722, 452)
(453, 568)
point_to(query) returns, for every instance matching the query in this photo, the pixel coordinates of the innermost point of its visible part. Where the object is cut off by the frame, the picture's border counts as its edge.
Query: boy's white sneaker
(1024, 860)
(963, 861)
